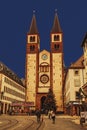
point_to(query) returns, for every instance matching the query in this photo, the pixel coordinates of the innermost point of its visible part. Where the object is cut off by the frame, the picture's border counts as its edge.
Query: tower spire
(55, 10)
(33, 27)
(33, 11)
(56, 25)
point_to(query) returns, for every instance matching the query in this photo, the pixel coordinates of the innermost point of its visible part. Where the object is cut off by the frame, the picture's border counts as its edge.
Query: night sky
(15, 19)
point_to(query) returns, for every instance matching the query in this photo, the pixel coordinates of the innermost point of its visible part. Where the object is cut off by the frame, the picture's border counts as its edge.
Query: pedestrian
(49, 114)
(38, 115)
(53, 117)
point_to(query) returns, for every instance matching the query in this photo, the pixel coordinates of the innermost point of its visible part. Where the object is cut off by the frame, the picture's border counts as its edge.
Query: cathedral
(44, 69)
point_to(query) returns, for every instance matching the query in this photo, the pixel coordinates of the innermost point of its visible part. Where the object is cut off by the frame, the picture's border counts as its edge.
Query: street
(63, 123)
(29, 122)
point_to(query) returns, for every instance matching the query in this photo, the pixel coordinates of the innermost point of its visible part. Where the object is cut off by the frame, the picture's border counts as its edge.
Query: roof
(33, 27)
(9, 73)
(78, 63)
(56, 25)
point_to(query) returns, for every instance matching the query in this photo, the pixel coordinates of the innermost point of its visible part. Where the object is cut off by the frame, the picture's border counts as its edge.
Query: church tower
(32, 53)
(57, 62)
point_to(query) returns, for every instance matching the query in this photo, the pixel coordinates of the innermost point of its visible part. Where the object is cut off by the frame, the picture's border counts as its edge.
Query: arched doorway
(42, 102)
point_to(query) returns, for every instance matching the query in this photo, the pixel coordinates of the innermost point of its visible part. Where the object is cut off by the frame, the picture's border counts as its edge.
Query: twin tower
(44, 69)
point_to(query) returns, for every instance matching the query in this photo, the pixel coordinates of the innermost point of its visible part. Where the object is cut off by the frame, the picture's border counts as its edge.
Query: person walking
(38, 115)
(53, 117)
(49, 114)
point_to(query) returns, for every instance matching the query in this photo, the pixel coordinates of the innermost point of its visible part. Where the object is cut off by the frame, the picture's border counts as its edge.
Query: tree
(50, 102)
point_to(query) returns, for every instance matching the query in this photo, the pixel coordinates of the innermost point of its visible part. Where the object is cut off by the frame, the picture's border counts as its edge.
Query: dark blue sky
(15, 19)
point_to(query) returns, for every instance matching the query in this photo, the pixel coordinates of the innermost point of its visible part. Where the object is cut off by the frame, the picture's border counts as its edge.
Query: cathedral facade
(44, 69)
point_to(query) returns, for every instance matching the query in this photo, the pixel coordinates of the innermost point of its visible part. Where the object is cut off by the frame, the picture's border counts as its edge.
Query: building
(11, 88)
(74, 80)
(84, 87)
(44, 69)
(84, 46)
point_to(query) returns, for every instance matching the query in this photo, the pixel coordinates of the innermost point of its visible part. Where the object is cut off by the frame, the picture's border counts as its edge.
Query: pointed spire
(33, 27)
(56, 25)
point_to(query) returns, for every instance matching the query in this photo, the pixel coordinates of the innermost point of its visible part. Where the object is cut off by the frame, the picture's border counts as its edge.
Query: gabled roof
(33, 26)
(44, 51)
(56, 25)
(78, 63)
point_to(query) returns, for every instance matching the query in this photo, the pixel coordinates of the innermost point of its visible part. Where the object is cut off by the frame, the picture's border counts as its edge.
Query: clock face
(44, 78)
(44, 57)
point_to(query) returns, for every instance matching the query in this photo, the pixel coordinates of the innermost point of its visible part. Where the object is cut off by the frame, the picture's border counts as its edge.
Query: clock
(44, 57)
(44, 78)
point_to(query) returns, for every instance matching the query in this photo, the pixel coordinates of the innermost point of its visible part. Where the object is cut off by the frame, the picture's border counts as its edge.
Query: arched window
(31, 39)
(56, 46)
(32, 48)
(44, 67)
(56, 37)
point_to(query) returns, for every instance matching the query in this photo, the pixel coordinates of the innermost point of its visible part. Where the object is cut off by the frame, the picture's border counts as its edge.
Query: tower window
(56, 46)
(56, 37)
(32, 39)
(32, 48)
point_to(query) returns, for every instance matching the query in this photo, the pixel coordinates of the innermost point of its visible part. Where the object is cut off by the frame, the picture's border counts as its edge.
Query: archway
(42, 102)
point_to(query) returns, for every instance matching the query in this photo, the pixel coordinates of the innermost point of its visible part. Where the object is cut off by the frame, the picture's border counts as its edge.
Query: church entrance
(42, 102)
